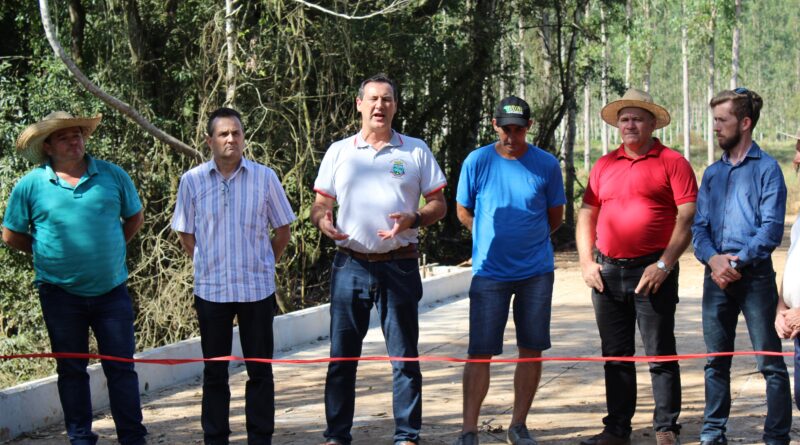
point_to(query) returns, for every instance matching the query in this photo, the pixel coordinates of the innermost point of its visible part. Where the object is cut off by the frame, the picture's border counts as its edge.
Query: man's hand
(721, 271)
(792, 318)
(328, 229)
(19, 241)
(783, 329)
(402, 221)
(591, 275)
(651, 280)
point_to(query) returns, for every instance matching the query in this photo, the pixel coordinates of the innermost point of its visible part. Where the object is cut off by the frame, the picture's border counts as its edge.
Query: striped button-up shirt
(231, 220)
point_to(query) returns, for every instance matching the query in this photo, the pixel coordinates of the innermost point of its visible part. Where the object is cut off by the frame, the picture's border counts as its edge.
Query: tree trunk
(569, 162)
(712, 24)
(628, 24)
(230, 44)
(545, 30)
(648, 58)
(604, 76)
(503, 64)
(521, 50)
(147, 45)
(564, 53)
(587, 113)
(587, 128)
(136, 35)
(687, 113)
(735, 46)
(483, 38)
(77, 16)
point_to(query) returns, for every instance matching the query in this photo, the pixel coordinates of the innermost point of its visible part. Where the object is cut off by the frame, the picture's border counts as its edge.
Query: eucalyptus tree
(687, 123)
(735, 45)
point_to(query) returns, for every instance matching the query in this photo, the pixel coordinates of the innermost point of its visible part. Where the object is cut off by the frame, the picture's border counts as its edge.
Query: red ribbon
(382, 358)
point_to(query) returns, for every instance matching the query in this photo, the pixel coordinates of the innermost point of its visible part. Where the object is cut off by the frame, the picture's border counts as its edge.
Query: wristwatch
(662, 266)
(417, 220)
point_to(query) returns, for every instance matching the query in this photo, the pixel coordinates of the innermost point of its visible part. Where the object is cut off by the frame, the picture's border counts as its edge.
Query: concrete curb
(35, 405)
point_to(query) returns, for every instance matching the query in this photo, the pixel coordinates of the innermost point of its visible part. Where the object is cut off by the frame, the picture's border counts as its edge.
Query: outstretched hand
(402, 221)
(327, 227)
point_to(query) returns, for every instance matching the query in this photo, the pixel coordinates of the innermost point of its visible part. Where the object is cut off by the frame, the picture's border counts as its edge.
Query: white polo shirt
(370, 184)
(791, 277)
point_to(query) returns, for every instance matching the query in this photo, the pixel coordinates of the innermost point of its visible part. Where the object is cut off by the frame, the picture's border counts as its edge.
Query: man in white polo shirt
(224, 213)
(376, 177)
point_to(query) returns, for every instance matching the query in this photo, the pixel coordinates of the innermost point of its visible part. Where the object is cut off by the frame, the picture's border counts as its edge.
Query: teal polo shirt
(78, 242)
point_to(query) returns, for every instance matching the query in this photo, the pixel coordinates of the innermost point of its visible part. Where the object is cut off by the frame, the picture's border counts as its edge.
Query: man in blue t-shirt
(511, 196)
(75, 214)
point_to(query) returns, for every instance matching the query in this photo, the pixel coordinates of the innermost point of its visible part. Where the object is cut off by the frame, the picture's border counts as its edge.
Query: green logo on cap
(513, 109)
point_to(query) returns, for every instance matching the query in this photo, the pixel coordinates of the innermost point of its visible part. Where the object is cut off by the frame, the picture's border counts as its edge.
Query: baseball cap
(512, 111)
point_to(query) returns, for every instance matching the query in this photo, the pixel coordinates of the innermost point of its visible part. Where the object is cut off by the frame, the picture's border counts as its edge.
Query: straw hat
(636, 99)
(29, 142)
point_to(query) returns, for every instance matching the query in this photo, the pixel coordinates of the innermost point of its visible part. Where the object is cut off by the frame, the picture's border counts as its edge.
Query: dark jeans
(110, 316)
(395, 288)
(755, 295)
(216, 337)
(618, 309)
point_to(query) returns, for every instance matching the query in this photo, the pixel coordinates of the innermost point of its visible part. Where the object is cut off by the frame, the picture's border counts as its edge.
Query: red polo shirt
(638, 199)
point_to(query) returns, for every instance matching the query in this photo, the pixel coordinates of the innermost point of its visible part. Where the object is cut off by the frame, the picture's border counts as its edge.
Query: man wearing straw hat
(75, 214)
(741, 206)
(637, 211)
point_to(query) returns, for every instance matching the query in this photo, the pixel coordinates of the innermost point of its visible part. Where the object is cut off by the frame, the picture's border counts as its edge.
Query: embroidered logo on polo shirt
(398, 168)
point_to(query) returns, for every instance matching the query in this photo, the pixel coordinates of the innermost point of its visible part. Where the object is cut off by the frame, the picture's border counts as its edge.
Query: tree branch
(395, 5)
(111, 101)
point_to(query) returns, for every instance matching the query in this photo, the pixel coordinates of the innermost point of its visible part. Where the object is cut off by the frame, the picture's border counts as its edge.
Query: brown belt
(402, 253)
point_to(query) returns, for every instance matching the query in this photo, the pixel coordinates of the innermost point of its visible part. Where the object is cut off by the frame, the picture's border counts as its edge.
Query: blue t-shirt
(510, 199)
(78, 242)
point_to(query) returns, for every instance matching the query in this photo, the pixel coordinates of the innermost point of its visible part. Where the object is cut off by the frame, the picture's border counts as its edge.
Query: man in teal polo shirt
(75, 214)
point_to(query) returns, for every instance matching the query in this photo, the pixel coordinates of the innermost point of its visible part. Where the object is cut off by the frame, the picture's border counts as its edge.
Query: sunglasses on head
(742, 91)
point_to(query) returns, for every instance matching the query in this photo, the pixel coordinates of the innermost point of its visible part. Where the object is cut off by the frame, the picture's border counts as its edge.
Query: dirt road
(568, 407)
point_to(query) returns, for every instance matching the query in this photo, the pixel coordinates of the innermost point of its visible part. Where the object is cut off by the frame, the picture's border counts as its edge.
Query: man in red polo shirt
(637, 210)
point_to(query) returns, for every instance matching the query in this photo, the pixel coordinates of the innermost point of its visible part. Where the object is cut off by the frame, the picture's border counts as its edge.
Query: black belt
(630, 262)
(402, 253)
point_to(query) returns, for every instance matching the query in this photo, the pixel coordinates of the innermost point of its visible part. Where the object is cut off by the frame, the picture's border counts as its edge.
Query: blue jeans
(755, 295)
(395, 288)
(216, 337)
(110, 316)
(797, 372)
(489, 301)
(618, 309)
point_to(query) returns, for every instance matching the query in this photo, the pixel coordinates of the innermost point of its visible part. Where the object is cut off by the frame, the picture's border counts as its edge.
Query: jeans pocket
(340, 260)
(405, 267)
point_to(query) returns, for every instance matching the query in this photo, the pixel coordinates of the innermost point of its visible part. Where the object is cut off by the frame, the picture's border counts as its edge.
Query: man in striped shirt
(376, 178)
(223, 215)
